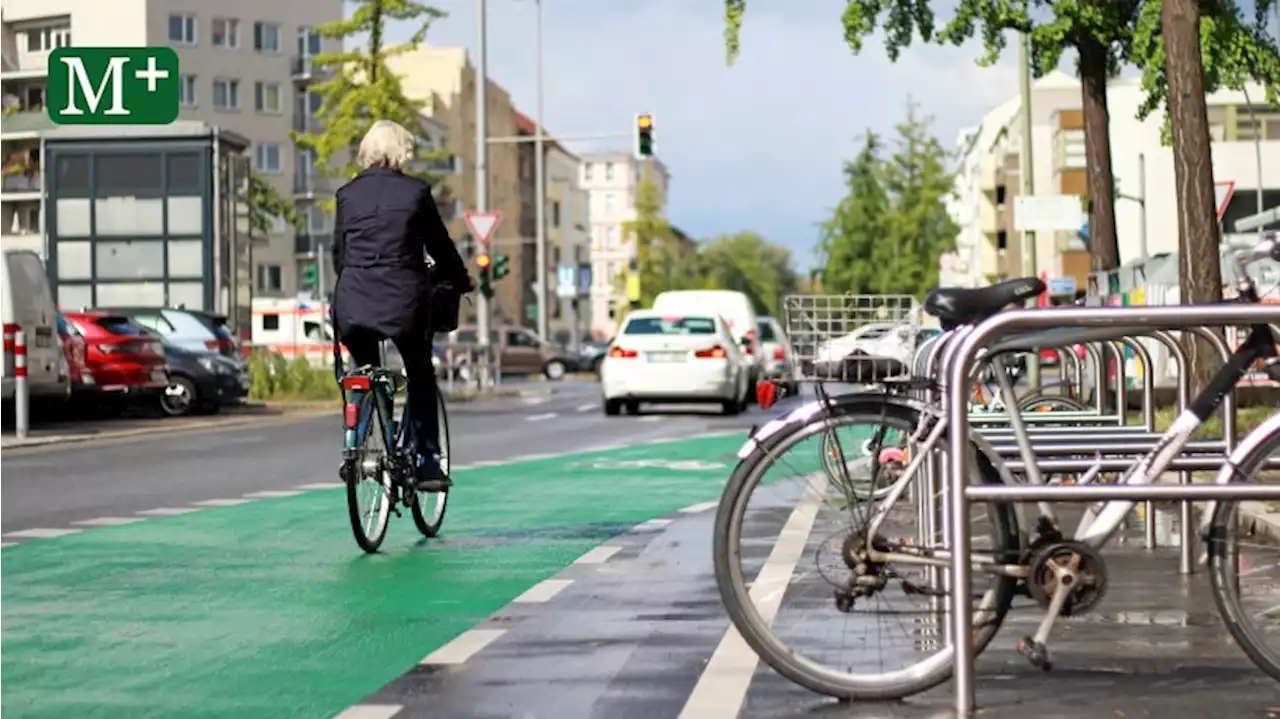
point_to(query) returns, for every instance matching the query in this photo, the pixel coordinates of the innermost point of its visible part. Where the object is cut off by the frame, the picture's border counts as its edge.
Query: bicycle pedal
(1036, 653)
(396, 511)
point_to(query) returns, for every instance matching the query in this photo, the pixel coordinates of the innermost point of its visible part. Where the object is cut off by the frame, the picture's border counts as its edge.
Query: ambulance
(295, 327)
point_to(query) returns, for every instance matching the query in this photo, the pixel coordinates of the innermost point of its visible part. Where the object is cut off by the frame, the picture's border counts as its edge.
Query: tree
(748, 263)
(887, 233)
(1096, 28)
(266, 205)
(654, 241)
(361, 88)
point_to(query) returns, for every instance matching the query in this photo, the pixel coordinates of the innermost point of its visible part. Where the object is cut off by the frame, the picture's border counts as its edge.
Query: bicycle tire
(375, 432)
(734, 591)
(1028, 402)
(1223, 548)
(430, 525)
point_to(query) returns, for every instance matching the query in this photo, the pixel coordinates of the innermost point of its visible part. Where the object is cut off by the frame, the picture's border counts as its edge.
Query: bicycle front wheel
(429, 507)
(795, 578)
(368, 478)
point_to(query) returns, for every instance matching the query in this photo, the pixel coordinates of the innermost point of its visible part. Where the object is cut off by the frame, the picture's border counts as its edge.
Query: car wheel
(731, 407)
(633, 407)
(209, 408)
(180, 398)
(554, 370)
(612, 407)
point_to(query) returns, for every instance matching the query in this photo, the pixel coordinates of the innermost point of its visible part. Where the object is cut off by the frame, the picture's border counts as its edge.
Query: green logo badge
(113, 86)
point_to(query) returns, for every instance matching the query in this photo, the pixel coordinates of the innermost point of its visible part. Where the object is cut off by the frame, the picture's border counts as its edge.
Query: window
(266, 37)
(521, 338)
(34, 98)
(667, 326)
(608, 171)
(608, 202)
(44, 39)
(187, 90)
(555, 213)
(266, 157)
(226, 94)
(308, 42)
(306, 162)
(1000, 193)
(266, 97)
(317, 220)
(226, 33)
(586, 172)
(1002, 240)
(182, 29)
(270, 322)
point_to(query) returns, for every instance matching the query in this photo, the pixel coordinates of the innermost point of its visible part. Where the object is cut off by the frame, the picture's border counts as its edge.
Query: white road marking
(7, 544)
(541, 417)
(39, 533)
(370, 711)
(651, 525)
(543, 591)
(109, 521)
(699, 507)
(587, 407)
(526, 458)
(727, 677)
(272, 494)
(599, 555)
(220, 502)
(481, 463)
(167, 511)
(465, 646)
(533, 400)
(319, 485)
(650, 418)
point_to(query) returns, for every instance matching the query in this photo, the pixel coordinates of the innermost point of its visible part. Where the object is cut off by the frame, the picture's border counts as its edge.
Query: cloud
(755, 146)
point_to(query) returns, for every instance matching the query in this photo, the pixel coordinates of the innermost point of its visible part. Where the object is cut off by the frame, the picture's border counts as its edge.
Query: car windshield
(766, 332)
(670, 326)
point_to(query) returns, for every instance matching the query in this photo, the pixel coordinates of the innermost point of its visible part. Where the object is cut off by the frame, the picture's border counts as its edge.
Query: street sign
(1062, 286)
(1222, 192)
(482, 225)
(567, 281)
(1047, 213)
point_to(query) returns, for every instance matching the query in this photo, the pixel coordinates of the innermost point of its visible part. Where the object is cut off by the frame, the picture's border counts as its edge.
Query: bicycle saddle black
(955, 306)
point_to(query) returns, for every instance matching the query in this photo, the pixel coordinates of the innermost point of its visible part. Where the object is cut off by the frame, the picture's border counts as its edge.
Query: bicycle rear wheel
(368, 477)
(428, 508)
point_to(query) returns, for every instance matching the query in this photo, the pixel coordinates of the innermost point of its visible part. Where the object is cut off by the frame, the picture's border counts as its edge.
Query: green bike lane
(269, 608)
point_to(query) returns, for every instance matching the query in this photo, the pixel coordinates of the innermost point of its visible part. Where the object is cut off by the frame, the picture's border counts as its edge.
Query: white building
(245, 68)
(610, 180)
(988, 247)
(568, 217)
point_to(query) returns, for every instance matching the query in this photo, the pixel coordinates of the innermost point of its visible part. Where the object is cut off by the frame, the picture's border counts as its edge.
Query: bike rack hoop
(960, 364)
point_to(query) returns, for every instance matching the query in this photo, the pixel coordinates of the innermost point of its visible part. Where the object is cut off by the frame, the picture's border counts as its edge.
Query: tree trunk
(1104, 248)
(1198, 254)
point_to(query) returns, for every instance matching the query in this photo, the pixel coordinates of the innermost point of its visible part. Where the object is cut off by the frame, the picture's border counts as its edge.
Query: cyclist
(384, 222)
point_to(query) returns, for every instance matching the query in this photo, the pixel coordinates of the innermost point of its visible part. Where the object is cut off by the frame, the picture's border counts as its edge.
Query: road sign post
(482, 225)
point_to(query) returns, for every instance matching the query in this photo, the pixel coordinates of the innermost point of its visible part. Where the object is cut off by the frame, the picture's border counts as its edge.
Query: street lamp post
(482, 177)
(540, 189)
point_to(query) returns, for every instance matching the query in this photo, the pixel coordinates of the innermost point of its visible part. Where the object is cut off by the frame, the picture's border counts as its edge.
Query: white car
(665, 358)
(836, 349)
(777, 353)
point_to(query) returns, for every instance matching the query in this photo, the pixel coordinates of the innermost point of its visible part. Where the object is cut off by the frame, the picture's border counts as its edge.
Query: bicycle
(1064, 576)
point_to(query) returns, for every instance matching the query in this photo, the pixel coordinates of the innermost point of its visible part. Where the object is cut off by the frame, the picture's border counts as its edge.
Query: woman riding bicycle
(384, 223)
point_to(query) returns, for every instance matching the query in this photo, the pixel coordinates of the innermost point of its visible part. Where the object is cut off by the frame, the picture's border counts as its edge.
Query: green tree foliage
(656, 250)
(749, 263)
(885, 236)
(360, 88)
(266, 205)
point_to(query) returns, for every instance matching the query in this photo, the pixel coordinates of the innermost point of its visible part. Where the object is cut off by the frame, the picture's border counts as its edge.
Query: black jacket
(384, 223)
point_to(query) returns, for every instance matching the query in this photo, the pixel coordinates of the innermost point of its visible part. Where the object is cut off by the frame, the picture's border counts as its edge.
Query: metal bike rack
(1125, 321)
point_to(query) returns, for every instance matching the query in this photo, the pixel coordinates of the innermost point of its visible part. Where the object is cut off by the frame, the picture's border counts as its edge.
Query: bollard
(21, 408)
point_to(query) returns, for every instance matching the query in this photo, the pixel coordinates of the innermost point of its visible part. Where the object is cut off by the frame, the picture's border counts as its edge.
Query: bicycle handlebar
(1268, 248)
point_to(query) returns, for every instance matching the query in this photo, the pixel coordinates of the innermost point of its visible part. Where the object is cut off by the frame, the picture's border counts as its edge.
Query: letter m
(78, 78)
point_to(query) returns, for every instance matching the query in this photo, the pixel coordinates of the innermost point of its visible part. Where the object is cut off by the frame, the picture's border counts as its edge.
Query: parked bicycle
(866, 555)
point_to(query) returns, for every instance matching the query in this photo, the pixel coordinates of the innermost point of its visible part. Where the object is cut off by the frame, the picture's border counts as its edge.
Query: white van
(734, 307)
(26, 303)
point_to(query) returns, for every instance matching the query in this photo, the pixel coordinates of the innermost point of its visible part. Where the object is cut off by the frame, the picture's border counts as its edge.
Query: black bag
(443, 309)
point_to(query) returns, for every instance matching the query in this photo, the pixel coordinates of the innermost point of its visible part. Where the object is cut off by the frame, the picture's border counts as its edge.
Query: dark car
(590, 355)
(201, 382)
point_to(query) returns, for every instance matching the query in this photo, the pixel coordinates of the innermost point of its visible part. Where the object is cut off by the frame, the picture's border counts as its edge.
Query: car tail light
(620, 353)
(716, 352)
(748, 342)
(779, 353)
(211, 344)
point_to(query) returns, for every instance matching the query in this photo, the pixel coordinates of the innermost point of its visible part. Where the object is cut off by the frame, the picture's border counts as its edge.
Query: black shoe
(430, 476)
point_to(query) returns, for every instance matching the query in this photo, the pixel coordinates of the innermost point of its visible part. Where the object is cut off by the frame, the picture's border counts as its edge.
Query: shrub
(276, 378)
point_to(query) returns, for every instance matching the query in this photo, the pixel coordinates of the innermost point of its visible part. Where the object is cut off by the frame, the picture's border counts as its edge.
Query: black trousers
(415, 350)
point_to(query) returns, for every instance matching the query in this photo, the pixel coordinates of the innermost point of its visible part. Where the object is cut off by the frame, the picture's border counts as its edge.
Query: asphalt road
(62, 486)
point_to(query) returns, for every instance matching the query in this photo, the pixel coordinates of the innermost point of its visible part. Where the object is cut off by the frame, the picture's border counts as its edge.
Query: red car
(122, 357)
(73, 348)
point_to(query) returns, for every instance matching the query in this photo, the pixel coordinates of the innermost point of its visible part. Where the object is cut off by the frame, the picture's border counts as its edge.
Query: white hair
(386, 144)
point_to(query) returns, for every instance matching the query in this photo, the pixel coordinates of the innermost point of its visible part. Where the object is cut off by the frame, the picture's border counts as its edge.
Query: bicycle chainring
(1085, 567)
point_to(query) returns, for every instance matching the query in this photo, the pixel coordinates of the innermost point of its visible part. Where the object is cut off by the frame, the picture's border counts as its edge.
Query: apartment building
(610, 180)
(445, 79)
(245, 68)
(568, 218)
(1246, 142)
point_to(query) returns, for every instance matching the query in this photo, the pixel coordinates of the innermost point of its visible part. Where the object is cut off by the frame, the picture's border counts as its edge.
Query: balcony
(304, 69)
(23, 65)
(305, 243)
(23, 182)
(305, 123)
(312, 183)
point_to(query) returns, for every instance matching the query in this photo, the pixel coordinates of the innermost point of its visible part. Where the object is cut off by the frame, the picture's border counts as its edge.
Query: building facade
(610, 180)
(568, 245)
(245, 68)
(1246, 156)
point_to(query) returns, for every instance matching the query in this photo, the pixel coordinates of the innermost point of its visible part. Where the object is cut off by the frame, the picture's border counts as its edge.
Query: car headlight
(208, 364)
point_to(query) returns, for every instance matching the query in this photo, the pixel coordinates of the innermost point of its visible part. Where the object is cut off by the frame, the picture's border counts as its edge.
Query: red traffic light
(483, 261)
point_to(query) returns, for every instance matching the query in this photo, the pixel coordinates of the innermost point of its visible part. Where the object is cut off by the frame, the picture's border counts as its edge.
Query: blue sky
(755, 146)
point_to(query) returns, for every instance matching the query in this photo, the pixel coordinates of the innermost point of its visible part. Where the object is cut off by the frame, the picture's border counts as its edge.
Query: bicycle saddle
(955, 306)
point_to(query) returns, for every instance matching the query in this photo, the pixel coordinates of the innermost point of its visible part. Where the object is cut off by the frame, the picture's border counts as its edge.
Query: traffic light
(484, 261)
(310, 277)
(501, 266)
(644, 135)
